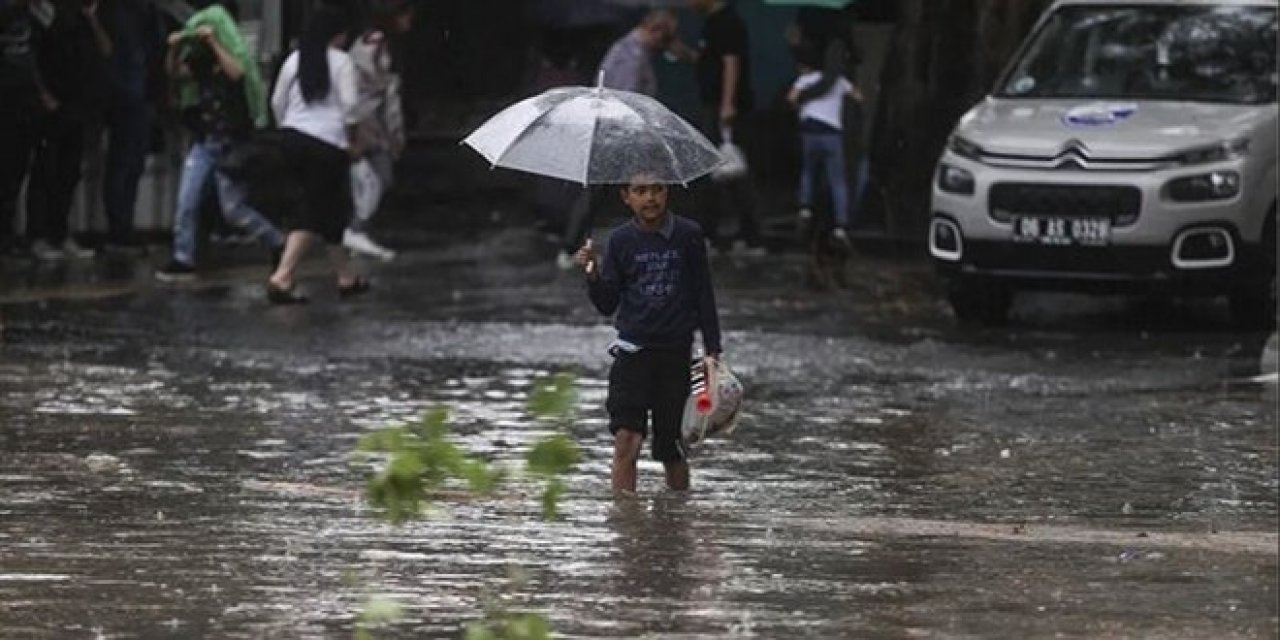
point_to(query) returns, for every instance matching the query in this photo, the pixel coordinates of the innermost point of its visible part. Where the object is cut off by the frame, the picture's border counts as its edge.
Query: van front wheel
(981, 302)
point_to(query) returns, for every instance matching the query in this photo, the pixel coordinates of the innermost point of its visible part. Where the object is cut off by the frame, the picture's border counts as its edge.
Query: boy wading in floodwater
(654, 275)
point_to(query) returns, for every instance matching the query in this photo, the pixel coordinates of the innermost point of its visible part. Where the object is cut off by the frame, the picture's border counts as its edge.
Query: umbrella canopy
(825, 4)
(595, 136)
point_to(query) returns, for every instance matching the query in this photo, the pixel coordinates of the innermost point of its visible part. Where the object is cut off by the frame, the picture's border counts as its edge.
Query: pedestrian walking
(25, 100)
(222, 98)
(381, 128)
(137, 44)
(627, 66)
(70, 55)
(822, 140)
(654, 278)
(723, 63)
(314, 101)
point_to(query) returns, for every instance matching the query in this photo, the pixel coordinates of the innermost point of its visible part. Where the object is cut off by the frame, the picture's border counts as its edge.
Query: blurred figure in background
(222, 99)
(822, 140)
(70, 55)
(25, 99)
(135, 31)
(381, 117)
(724, 80)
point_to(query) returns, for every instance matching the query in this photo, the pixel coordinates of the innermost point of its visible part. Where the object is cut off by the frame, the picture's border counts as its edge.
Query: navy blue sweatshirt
(659, 285)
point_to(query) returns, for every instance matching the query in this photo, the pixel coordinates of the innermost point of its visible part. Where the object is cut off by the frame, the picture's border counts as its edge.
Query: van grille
(1121, 204)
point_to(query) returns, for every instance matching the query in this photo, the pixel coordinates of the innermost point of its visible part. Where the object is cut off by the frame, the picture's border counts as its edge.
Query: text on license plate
(1062, 231)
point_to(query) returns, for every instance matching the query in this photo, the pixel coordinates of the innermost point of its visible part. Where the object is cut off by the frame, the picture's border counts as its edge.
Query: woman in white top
(314, 102)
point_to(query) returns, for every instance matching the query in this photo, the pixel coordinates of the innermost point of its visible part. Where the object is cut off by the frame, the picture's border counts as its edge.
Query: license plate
(1064, 232)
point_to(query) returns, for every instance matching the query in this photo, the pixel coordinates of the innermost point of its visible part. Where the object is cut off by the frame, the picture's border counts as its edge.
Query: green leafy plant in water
(422, 459)
(377, 612)
(514, 626)
(553, 399)
(499, 623)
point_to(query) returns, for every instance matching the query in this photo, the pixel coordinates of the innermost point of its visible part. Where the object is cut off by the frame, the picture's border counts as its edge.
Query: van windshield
(1150, 52)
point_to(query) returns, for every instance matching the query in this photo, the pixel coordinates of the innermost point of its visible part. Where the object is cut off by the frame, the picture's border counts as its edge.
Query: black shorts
(323, 173)
(651, 382)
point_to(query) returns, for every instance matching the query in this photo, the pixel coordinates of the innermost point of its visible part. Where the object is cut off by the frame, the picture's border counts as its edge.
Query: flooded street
(178, 462)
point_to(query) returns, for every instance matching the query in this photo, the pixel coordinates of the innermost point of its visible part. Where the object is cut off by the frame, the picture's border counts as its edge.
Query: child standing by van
(822, 138)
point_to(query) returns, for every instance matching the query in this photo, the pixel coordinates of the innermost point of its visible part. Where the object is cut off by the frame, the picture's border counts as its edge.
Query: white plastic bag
(713, 404)
(735, 161)
(366, 190)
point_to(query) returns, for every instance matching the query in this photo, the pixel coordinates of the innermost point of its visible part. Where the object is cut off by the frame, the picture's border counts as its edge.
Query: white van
(1131, 146)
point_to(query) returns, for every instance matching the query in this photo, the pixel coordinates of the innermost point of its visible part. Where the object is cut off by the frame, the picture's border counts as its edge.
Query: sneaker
(565, 261)
(840, 235)
(74, 250)
(742, 249)
(806, 214)
(45, 252)
(360, 242)
(176, 272)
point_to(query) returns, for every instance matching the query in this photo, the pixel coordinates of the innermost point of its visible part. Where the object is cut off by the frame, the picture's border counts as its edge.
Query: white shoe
(806, 214)
(73, 250)
(46, 252)
(360, 242)
(741, 248)
(565, 261)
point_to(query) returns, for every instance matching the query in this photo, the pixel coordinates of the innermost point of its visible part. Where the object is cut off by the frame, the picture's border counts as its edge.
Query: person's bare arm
(172, 65)
(732, 74)
(684, 52)
(228, 63)
(100, 36)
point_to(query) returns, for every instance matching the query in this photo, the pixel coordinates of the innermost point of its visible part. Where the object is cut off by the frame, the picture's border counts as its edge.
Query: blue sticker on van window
(1098, 114)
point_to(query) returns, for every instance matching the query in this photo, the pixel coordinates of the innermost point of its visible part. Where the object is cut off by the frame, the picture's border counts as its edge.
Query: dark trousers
(17, 138)
(714, 200)
(55, 173)
(128, 140)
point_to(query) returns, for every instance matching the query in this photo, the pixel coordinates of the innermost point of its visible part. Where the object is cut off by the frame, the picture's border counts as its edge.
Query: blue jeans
(200, 166)
(825, 150)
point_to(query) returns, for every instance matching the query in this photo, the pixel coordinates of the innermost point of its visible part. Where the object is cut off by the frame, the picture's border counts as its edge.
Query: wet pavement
(177, 462)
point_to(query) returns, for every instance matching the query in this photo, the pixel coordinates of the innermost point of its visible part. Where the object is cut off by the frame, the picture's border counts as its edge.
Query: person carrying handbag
(381, 121)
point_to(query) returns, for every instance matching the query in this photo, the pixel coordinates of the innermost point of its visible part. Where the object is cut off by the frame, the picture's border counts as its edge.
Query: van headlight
(955, 180)
(1219, 185)
(964, 148)
(1220, 152)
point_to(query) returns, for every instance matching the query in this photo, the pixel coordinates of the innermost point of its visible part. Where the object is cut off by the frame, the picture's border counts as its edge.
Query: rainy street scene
(530, 319)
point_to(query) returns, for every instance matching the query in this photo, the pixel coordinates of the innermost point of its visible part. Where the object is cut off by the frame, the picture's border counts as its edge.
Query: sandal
(276, 295)
(357, 287)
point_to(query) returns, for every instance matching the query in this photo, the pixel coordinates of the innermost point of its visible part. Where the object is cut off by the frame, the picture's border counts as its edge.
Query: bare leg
(677, 475)
(342, 265)
(295, 247)
(626, 451)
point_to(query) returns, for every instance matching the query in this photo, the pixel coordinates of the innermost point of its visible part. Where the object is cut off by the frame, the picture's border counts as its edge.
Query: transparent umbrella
(595, 136)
